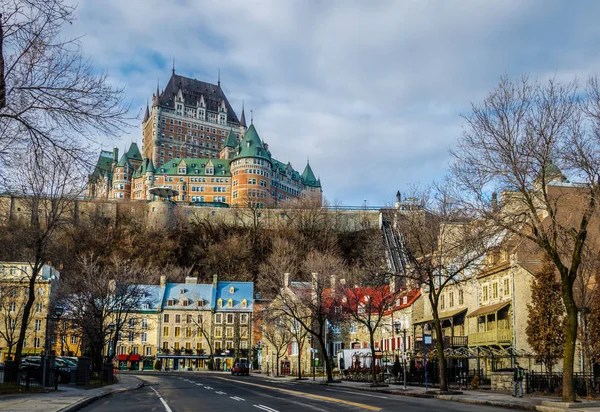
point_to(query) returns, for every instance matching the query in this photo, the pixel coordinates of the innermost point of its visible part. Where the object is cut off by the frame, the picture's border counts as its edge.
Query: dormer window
(230, 303)
(184, 302)
(182, 170)
(244, 303)
(220, 303)
(231, 289)
(199, 303)
(404, 300)
(170, 302)
(182, 291)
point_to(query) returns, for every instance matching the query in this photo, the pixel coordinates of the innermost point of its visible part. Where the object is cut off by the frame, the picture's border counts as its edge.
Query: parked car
(32, 367)
(240, 369)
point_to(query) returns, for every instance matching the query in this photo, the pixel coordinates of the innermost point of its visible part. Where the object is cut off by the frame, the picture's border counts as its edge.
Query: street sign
(427, 339)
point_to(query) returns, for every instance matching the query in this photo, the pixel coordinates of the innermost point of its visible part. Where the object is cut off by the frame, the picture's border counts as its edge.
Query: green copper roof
(146, 167)
(251, 146)
(124, 161)
(308, 177)
(134, 152)
(231, 139)
(195, 167)
(103, 166)
(283, 167)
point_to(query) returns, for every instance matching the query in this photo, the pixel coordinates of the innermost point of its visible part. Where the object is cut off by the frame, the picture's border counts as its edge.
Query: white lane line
(356, 393)
(208, 387)
(199, 384)
(220, 393)
(237, 398)
(265, 408)
(162, 400)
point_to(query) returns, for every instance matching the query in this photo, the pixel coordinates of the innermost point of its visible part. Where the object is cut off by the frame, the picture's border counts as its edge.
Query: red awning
(122, 357)
(134, 357)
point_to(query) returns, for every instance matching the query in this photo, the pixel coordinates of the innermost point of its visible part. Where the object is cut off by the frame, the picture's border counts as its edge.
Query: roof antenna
(219, 77)
(173, 65)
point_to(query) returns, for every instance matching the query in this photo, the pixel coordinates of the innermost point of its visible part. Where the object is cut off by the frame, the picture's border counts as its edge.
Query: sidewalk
(67, 399)
(481, 397)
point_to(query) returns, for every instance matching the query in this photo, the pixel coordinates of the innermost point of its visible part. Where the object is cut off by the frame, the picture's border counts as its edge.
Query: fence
(585, 384)
(28, 379)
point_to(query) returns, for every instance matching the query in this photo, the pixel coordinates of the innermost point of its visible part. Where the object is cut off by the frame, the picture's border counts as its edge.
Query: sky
(371, 92)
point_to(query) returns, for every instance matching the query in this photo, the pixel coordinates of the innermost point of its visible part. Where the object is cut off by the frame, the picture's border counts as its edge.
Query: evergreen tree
(545, 327)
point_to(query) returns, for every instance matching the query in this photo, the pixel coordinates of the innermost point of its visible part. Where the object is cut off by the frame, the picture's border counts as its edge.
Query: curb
(84, 402)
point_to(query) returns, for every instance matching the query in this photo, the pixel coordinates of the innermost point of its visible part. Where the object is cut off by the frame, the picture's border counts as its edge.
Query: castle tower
(311, 186)
(251, 172)
(121, 184)
(230, 144)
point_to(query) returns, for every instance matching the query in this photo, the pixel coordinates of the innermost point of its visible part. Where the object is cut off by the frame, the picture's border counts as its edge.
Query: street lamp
(397, 327)
(312, 356)
(111, 328)
(58, 311)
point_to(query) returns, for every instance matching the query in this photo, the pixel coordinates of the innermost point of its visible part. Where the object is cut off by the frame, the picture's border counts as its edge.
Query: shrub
(475, 382)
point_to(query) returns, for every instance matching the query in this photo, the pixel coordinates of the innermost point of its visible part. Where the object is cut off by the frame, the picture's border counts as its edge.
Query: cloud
(371, 92)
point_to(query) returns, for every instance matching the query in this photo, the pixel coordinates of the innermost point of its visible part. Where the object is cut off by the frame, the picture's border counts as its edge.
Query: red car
(240, 369)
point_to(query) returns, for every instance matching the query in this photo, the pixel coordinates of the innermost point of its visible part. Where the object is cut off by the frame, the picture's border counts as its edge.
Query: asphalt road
(179, 392)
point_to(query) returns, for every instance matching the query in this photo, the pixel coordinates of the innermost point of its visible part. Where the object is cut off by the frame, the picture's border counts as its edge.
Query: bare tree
(313, 304)
(11, 313)
(518, 142)
(276, 331)
(50, 94)
(104, 294)
(48, 183)
(367, 299)
(443, 245)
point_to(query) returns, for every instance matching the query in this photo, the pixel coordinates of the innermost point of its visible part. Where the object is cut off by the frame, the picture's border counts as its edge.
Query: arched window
(231, 289)
(230, 303)
(220, 303)
(244, 303)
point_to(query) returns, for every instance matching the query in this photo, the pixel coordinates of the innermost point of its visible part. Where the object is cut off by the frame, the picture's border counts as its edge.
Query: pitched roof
(103, 165)
(252, 146)
(151, 297)
(243, 118)
(176, 293)
(192, 91)
(231, 139)
(146, 167)
(283, 167)
(134, 152)
(195, 167)
(124, 161)
(308, 177)
(237, 292)
(146, 114)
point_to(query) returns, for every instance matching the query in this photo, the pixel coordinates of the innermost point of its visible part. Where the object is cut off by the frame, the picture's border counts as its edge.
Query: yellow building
(14, 290)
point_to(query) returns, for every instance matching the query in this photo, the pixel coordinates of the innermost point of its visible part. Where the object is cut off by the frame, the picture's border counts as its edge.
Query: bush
(475, 382)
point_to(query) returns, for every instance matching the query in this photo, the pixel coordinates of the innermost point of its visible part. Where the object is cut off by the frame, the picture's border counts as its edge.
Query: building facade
(194, 143)
(14, 289)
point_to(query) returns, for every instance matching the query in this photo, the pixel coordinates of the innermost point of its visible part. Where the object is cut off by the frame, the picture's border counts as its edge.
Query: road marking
(357, 393)
(265, 408)
(237, 398)
(220, 393)
(306, 395)
(162, 400)
(208, 387)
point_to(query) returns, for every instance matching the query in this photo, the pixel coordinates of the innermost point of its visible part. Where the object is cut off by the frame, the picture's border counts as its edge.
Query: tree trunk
(568, 394)
(300, 347)
(27, 310)
(326, 359)
(372, 342)
(440, 352)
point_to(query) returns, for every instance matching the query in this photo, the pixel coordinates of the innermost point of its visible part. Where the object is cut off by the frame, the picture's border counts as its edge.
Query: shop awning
(134, 357)
(484, 310)
(443, 316)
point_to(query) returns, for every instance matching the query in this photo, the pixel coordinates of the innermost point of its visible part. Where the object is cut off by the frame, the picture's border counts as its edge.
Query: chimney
(215, 280)
(286, 280)
(314, 277)
(163, 280)
(332, 281)
(115, 154)
(191, 279)
(494, 201)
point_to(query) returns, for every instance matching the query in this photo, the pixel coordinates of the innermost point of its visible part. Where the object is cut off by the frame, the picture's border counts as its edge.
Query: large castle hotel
(194, 144)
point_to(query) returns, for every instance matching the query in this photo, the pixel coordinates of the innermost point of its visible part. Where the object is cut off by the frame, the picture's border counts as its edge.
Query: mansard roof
(252, 146)
(195, 167)
(308, 177)
(192, 90)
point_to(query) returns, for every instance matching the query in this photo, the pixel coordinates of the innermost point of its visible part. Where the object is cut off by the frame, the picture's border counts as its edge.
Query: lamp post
(111, 329)
(312, 356)
(397, 327)
(58, 311)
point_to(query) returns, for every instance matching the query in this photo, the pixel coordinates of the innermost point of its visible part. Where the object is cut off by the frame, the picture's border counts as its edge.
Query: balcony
(449, 342)
(491, 337)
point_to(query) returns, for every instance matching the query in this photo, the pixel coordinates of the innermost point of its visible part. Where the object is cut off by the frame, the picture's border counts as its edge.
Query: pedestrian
(518, 381)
